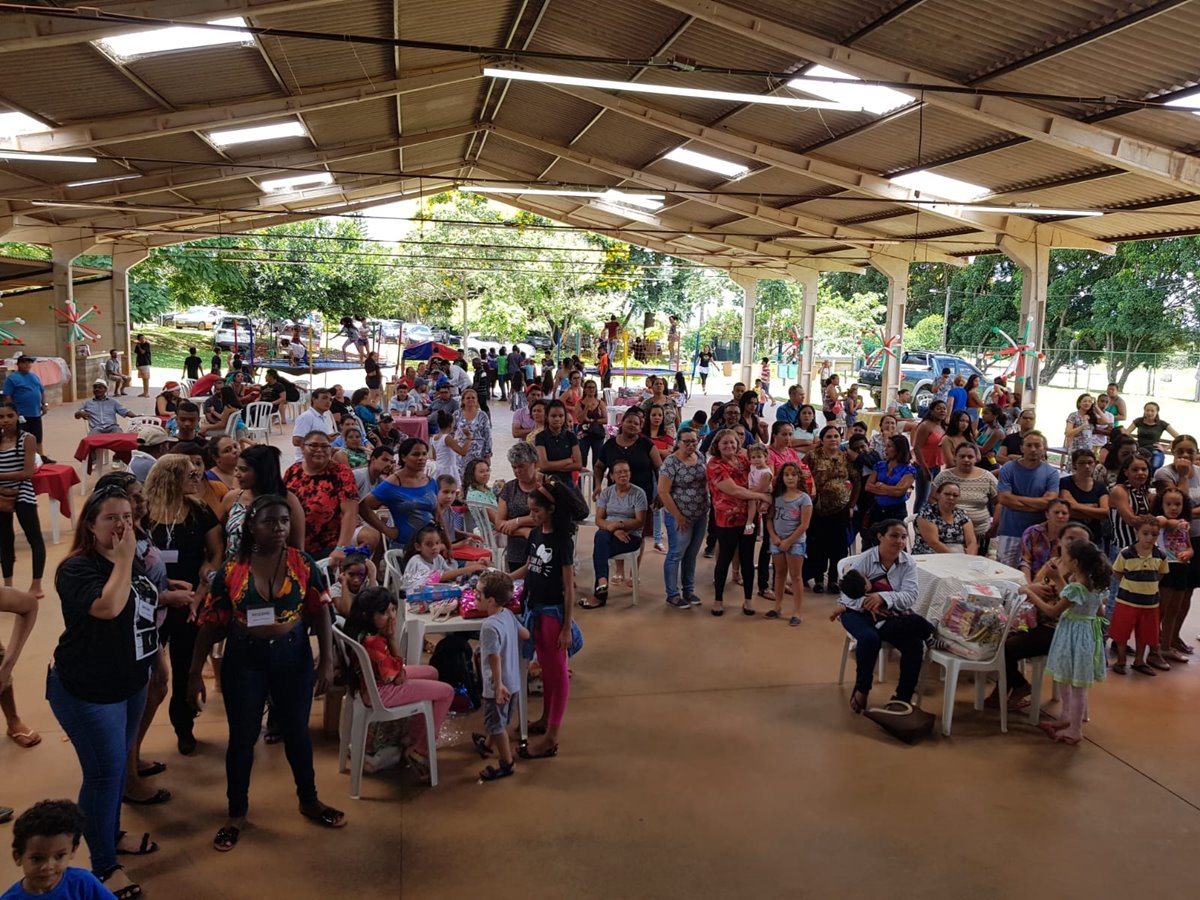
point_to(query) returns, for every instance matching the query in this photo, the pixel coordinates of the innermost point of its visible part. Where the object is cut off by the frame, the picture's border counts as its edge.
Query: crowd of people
(214, 552)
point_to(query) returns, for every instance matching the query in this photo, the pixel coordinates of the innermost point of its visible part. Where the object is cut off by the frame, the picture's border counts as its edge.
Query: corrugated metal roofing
(1153, 56)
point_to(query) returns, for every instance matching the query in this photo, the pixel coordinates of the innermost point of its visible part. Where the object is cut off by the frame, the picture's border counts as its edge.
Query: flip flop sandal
(494, 773)
(226, 838)
(481, 744)
(155, 768)
(767, 594)
(1176, 656)
(717, 611)
(145, 848)
(6, 813)
(1184, 648)
(26, 739)
(162, 795)
(1120, 668)
(599, 602)
(771, 614)
(328, 816)
(858, 706)
(1144, 669)
(748, 611)
(795, 620)
(129, 892)
(1159, 664)
(551, 751)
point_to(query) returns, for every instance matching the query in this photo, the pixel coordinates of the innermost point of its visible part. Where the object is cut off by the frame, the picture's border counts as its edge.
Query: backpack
(455, 663)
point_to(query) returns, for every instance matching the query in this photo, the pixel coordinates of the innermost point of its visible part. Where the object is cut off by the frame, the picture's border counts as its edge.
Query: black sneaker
(678, 603)
(6, 813)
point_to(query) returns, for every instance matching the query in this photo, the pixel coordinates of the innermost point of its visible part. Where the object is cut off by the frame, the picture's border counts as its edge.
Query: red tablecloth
(56, 480)
(121, 443)
(414, 426)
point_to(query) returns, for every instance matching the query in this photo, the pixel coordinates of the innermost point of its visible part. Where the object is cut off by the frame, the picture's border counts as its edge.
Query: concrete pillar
(749, 286)
(123, 259)
(896, 271)
(1034, 260)
(62, 257)
(808, 320)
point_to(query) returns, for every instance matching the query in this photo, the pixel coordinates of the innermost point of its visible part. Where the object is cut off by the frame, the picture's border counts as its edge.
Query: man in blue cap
(25, 390)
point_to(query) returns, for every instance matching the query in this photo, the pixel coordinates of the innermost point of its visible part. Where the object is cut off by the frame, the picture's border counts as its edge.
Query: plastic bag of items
(974, 621)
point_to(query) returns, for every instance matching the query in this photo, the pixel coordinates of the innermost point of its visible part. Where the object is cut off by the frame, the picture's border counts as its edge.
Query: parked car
(918, 371)
(201, 317)
(232, 332)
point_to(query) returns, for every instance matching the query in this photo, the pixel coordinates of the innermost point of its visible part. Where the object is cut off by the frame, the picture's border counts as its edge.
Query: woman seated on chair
(279, 392)
(166, 402)
(350, 449)
(620, 516)
(372, 622)
(477, 492)
(885, 613)
(1036, 641)
(942, 527)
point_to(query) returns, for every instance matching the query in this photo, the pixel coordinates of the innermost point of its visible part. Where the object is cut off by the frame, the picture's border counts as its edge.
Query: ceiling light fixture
(109, 180)
(669, 90)
(1189, 101)
(13, 124)
(649, 201)
(878, 100)
(231, 136)
(1031, 210)
(26, 156)
(126, 47)
(706, 162)
(287, 184)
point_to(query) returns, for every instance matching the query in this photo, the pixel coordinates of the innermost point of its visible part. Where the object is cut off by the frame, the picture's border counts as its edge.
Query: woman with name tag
(263, 603)
(97, 684)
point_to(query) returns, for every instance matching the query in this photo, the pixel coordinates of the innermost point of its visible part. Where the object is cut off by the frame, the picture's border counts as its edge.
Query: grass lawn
(170, 345)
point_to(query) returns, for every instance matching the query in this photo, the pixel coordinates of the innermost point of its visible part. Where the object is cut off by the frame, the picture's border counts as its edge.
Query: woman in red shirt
(726, 476)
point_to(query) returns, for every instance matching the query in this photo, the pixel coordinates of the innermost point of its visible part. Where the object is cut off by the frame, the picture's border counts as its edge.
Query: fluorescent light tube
(26, 156)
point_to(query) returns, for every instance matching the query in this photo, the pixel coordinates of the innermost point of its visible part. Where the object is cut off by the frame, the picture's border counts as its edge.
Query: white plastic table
(940, 575)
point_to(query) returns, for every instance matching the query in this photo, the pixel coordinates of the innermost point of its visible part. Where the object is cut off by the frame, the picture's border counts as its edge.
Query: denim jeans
(679, 570)
(907, 633)
(658, 526)
(1157, 460)
(101, 735)
(605, 546)
(253, 669)
(921, 494)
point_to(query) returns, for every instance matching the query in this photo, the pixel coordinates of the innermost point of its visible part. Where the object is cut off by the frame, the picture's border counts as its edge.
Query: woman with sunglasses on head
(17, 464)
(263, 603)
(97, 684)
(188, 538)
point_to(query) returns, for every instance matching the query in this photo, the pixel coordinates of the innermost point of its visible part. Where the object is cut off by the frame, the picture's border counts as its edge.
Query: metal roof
(393, 121)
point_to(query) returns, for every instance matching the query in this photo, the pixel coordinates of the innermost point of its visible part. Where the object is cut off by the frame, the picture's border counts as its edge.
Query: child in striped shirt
(1140, 567)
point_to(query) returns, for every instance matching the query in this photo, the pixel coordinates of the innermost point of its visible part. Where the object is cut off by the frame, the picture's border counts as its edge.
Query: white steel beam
(1162, 164)
(104, 132)
(757, 148)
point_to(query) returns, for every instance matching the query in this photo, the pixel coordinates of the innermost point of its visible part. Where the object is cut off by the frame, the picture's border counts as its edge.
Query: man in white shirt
(316, 418)
(459, 380)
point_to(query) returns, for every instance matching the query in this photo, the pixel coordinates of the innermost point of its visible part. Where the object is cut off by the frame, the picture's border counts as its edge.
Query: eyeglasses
(316, 445)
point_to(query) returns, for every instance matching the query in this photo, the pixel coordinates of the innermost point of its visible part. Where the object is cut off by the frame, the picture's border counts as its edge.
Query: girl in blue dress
(1076, 657)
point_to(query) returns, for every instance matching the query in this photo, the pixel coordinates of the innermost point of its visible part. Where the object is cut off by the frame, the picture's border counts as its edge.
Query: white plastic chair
(185, 387)
(258, 420)
(233, 424)
(956, 665)
(849, 644)
(631, 562)
(359, 713)
(138, 421)
(481, 523)
(295, 407)
(1037, 673)
(393, 570)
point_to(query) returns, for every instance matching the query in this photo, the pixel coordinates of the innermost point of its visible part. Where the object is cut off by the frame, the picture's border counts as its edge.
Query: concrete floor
(700, 757)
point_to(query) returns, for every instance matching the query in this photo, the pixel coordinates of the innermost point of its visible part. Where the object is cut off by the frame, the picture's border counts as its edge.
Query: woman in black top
(631, 446)
(189, 541)
(97, 685)
(1087, 496)
(374, 376)
(557, 446)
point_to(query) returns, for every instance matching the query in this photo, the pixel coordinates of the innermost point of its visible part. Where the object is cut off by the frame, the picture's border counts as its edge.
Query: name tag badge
(260, 615)
(146, 610)
(169, 556)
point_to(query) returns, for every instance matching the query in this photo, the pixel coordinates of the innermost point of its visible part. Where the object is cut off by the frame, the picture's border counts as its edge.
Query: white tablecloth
(941, 575)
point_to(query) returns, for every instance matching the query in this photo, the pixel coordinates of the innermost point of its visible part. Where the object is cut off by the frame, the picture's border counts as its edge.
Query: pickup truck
(918, 371)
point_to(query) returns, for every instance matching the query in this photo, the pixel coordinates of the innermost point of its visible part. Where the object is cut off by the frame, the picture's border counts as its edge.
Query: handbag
(596, 429)
(8, 499)
(902, 720)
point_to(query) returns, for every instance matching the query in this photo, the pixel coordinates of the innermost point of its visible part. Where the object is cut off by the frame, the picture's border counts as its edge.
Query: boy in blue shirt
(45, 838)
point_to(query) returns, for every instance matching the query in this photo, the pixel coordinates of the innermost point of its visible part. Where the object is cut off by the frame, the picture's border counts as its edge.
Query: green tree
(925, 335)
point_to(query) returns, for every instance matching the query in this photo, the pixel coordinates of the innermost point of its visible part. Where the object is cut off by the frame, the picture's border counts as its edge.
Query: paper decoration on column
(1017, 351)
(797, 344)
(6, 336)
(78, 331)
(876, 345)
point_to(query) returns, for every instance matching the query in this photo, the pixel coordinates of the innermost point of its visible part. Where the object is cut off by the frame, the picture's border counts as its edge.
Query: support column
(123, 259)
(808, 320)
(1034, 260)
(749, 286)
(62, 255)
(896, 271)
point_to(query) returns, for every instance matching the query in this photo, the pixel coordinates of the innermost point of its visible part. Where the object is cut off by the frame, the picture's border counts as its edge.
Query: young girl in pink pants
(372, 623)
(549, 575)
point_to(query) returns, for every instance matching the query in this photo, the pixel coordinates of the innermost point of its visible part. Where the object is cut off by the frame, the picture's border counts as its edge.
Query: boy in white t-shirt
(499, 652)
